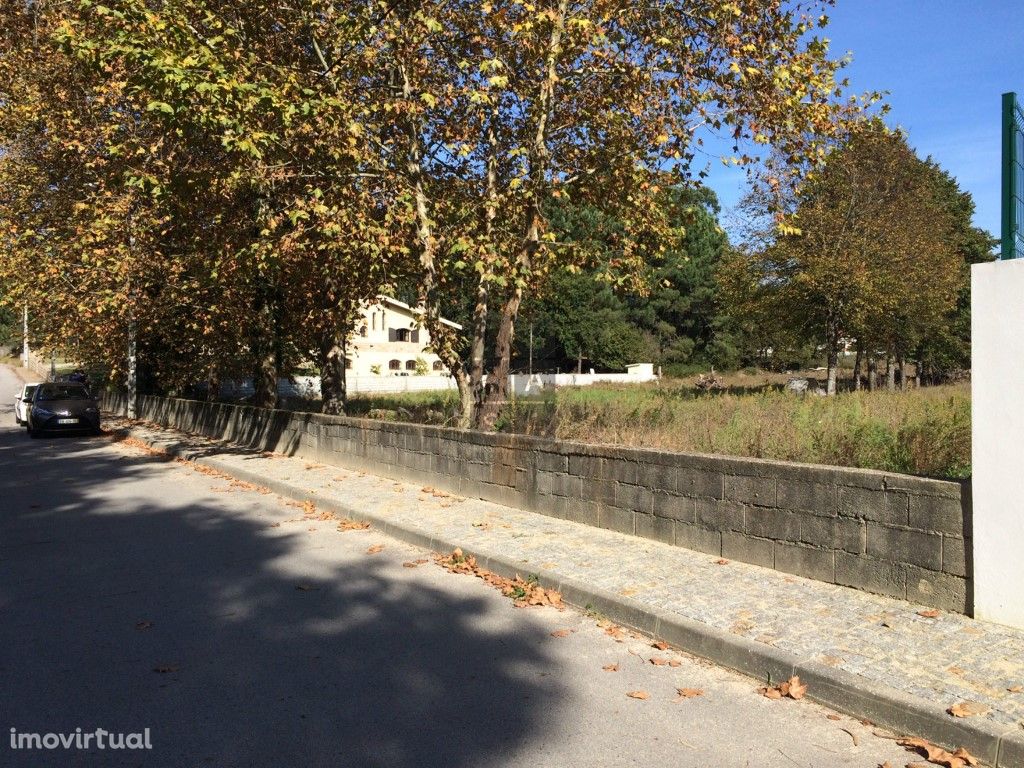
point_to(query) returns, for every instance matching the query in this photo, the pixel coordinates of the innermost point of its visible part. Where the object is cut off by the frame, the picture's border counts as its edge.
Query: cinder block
(939, 590)
(833, 533)
(954, 555)
(698, 539)
(551, 462)
(633, 497)
(582, 511)
(656, 528)
(700, 483)
(621, 470)
(904, 546)
(585, 466)
(881, 506)
(769, 523)
(719, 515)
(936, 513)
(811, 562)
(615, 519)
(746, 489)
(819, 498)
(881, 576)
(748, 549)
(674, 507)
(657, 477)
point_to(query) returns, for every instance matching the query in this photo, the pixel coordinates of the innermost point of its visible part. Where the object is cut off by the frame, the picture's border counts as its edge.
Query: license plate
(67, 421)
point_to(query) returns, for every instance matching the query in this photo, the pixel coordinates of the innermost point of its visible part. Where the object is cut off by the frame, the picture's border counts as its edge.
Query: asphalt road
(281, 642)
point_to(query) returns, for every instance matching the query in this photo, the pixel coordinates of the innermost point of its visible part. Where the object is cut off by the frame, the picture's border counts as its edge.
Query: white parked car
(20, 406)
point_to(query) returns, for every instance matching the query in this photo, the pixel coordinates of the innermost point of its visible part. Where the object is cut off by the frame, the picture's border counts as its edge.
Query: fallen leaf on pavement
(375, 549)
(143, 625)
(562, 632)
(1016, 689)
(833, 717)
(352, 525)
(792, 688)
(967, 709)
(961, 758)
(930, 614)
(688, 693)
(661, 645)
(610, 667)
(638, 695)
(414, 563)
(721, 561)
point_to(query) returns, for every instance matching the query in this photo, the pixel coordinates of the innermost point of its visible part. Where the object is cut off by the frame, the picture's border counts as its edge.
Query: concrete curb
(999, 746)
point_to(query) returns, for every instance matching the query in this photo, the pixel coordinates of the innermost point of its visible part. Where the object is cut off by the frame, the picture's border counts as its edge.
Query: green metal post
(1013, 178)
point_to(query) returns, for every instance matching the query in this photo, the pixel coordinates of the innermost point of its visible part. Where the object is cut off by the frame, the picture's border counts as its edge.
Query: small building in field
(388, 341)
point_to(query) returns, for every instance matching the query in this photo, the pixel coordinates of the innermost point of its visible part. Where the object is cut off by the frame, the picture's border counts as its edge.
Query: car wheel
(33, 432)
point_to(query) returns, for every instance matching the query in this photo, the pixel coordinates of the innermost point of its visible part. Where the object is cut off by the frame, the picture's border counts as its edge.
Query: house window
(410, 365)
(438, 365)
(402, 334)
(395, 365)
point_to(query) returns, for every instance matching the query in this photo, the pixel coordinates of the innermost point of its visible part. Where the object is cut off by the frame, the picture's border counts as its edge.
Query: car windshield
(63, 392)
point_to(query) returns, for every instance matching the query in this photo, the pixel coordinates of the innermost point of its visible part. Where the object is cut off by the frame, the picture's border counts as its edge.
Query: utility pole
(531, 347)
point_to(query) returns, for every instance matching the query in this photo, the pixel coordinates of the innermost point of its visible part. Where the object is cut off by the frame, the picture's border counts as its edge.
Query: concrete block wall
(897, 535)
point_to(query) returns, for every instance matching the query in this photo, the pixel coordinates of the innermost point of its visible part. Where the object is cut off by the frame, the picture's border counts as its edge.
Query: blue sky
(945, 64)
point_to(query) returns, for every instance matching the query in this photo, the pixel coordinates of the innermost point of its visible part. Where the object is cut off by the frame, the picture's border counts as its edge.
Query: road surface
(137, 593)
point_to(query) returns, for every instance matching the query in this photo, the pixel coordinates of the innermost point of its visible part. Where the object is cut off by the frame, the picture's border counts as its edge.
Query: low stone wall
(902, 536)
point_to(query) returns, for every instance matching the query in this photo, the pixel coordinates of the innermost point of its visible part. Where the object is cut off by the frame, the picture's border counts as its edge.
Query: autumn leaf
(960, 758)
(792, 688)
(415, 563)
(610, 667)
(375, 549)
(1016, 689)
(661, 645)
(638, 695)
(688, 693)
(929, 614)
(967, 709)
(352, 525)
(721, 561)
(562, 632)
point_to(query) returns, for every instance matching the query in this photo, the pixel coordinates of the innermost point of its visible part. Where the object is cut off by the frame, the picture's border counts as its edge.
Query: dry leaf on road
(688, 693)
(610, 667)
(930, 614)
(638, 695)
(661, 645)
(967, 709)
(792, 688)
(1016, 689)
(352, 525)
(375, 549)
(961, 758)
(721, 561)
(562, 632)
(415, 563)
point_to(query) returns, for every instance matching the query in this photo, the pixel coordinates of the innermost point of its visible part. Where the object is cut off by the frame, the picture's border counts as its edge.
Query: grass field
(923, 432)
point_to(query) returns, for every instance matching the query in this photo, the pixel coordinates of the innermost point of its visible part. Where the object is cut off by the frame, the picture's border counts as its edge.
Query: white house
(390, 342)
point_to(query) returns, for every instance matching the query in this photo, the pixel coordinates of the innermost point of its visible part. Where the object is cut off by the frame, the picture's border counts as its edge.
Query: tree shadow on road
(269, 658)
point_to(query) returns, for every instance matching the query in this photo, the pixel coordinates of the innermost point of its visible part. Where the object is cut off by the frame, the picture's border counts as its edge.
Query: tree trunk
(872, 373)
(496, 390)
(903, 373)
(890, 373)
(579, 361)
(212, 383)
(133, 389)
(264, 379)
(857, 366)
(333, 394)
(832, 350)
(917, 374)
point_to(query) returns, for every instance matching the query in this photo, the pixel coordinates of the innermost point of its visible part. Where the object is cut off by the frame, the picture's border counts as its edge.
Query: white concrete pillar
(997, 394)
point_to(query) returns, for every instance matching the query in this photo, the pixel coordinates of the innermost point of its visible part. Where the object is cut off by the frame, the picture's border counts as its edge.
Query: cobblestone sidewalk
(945, 659)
